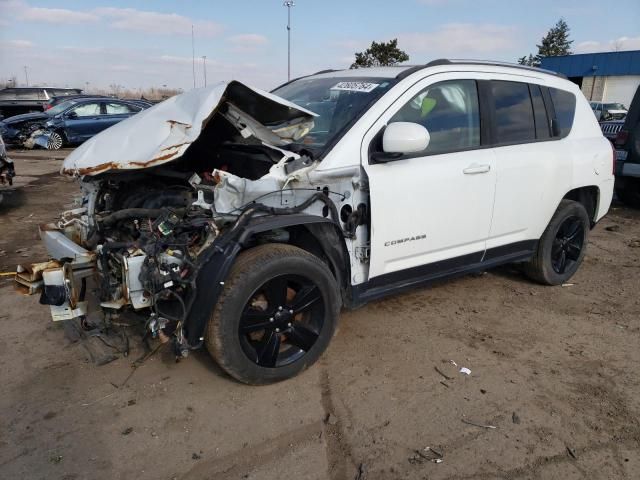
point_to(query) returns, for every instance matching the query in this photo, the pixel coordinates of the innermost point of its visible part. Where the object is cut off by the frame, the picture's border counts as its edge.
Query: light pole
(204, 69)
(289, 4)
(193, 57)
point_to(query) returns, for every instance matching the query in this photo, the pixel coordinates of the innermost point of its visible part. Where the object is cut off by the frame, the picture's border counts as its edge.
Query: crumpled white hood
(163, 132)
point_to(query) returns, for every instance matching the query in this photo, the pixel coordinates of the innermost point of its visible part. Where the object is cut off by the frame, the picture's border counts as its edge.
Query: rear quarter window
(59, 92)
(564, 104)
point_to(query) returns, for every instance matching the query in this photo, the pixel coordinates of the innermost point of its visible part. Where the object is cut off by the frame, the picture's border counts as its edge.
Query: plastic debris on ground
(428, 454)
(476, 424)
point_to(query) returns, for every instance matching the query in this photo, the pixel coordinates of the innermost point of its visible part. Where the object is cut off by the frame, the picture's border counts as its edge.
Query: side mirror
(72, 115)
(405, 137)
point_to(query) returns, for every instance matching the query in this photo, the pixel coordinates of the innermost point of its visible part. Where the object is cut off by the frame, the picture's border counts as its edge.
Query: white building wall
(620, 88)
(593, 88)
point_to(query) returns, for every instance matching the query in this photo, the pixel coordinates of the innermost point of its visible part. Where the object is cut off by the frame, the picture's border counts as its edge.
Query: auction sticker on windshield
(365, 87)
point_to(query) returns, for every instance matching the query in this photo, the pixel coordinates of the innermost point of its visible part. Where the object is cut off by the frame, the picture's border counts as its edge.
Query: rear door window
(117, 109)
(564, 103)
(513, 112)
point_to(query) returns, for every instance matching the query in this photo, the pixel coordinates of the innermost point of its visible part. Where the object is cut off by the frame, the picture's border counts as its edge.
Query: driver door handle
(474, 169)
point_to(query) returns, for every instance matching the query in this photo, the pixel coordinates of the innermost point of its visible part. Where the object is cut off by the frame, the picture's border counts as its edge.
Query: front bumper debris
(60, 282)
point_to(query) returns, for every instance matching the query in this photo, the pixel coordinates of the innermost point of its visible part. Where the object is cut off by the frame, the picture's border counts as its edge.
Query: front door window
(87, 110)
(449, 111)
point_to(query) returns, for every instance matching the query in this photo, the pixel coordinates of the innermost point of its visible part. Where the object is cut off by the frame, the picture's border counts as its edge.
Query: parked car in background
(608, 111)
(7, 170)
(610, 128)
(627, 147)
(53, 101)
(17, 100)
(70, 122)
(142, 102)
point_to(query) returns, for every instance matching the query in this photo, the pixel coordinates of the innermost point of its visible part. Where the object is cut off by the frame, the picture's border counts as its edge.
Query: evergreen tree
(530, 61)
(380, 54)
(555, 43)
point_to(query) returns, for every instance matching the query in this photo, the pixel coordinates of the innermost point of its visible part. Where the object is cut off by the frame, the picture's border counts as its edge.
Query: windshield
(61, 107)
(614, 106)
(338, 101)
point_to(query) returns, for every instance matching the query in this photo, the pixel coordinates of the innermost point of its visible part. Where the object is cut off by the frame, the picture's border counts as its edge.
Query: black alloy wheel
(562, 246)
(282, 321)
(567, 245)
(276, 314)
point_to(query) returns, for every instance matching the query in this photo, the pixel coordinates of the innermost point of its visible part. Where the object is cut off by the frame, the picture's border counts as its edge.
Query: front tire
(276, 314)
(562, 246)
(55, 142)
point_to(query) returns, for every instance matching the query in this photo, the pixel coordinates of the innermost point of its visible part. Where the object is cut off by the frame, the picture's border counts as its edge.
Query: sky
(145, 43)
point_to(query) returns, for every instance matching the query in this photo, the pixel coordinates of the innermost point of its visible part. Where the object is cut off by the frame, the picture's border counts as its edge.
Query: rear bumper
(626, 169)
(606, 197)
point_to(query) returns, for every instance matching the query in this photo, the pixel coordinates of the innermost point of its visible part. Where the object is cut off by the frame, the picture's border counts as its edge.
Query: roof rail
(328, 70)
(446, 61)
(409, 71)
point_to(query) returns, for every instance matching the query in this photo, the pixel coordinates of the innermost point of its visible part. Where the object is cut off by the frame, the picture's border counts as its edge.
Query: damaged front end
(44, 138)
(23, 133)
(7, 169)
(167, 200)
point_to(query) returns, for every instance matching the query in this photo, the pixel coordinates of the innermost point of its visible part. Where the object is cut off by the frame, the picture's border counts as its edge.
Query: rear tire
(629, 192)
(276, 314)
(562, 246)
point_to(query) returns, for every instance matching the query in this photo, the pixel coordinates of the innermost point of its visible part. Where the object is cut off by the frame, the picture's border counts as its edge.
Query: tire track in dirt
(238, 463)
(546, 460)
(339, 453)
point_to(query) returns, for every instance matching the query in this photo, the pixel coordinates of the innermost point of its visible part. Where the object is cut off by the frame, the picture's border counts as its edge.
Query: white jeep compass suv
(242, 221)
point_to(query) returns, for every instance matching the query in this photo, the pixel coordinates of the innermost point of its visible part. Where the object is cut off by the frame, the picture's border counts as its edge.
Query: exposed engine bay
(151, 240)
(153, 232)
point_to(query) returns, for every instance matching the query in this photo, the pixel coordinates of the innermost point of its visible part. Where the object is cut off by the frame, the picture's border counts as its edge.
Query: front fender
(219, 258)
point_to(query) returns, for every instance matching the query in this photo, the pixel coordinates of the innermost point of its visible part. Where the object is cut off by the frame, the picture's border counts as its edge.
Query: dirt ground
(554, 373)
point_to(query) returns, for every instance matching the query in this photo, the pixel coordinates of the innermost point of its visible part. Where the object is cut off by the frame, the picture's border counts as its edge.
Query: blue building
(603, 77)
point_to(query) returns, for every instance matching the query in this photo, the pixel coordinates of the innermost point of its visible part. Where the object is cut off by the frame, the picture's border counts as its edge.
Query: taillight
(621, 138)
(47, 106)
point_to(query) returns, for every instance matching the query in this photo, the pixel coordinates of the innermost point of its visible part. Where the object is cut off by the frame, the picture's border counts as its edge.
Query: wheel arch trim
(215, 270)
(589, 196)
